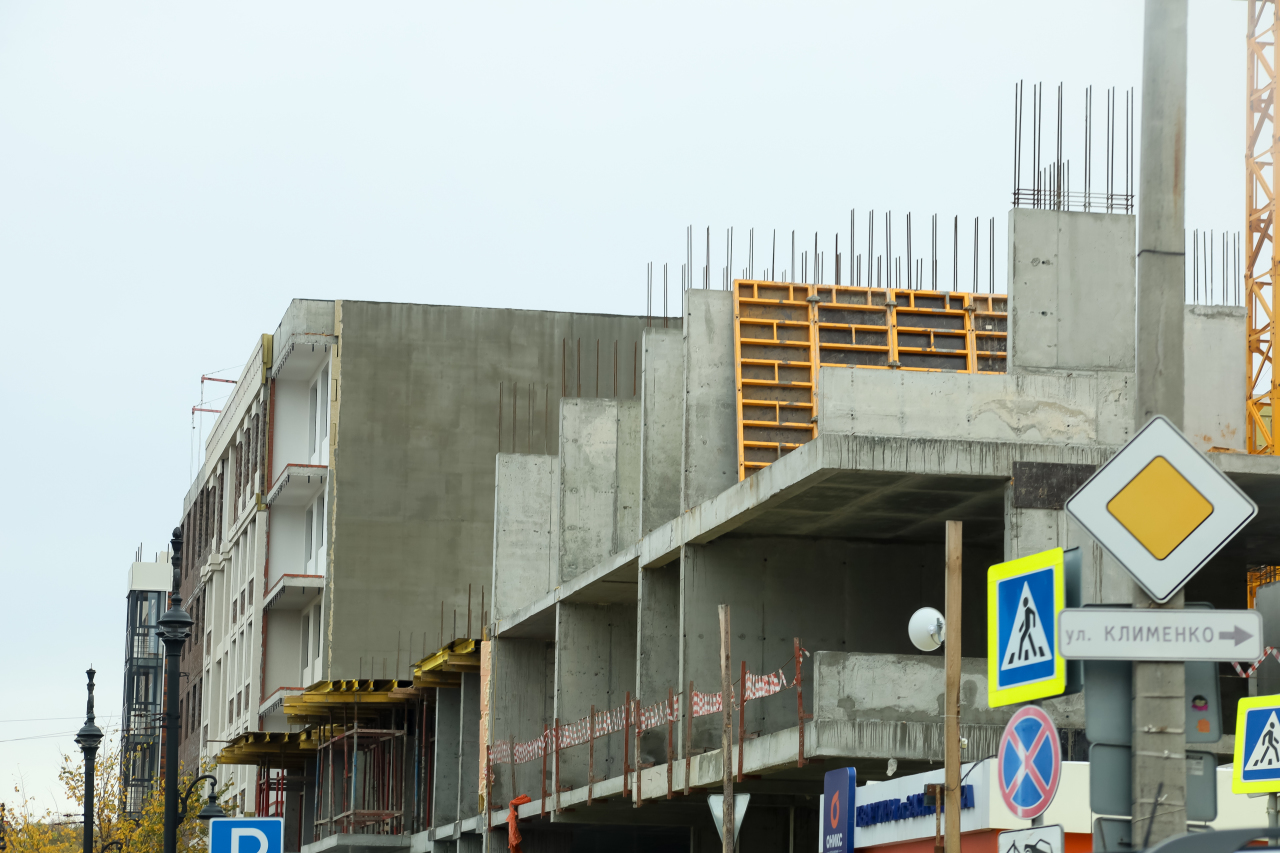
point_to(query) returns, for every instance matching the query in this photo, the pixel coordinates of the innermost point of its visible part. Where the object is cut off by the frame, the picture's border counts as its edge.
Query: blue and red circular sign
(1029, 763)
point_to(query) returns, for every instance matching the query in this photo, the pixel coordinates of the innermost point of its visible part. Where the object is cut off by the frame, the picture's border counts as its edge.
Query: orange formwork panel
(784, 332)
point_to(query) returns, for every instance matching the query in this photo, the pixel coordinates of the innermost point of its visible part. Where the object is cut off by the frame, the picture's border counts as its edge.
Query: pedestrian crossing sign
(1024, 598)
(1256, 769)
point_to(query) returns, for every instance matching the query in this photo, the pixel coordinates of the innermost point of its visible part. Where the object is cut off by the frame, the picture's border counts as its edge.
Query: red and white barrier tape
(607, 722)
(1270, 650)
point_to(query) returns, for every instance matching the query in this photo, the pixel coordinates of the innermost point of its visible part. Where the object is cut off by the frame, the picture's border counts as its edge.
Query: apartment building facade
(343, 515)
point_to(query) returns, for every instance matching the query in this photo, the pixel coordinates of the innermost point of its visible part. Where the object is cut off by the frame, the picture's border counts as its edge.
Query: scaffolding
(784, 332)
(363, 764)
(143, 685)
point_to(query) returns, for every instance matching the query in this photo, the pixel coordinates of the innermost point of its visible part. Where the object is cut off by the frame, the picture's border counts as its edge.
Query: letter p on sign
(246, 835)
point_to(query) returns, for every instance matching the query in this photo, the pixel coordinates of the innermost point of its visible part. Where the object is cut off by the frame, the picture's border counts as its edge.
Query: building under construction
(791, 450)
(491, 547)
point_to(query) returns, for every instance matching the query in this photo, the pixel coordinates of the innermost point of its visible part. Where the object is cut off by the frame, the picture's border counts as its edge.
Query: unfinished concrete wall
(595, 665)
(588, 483)
(833, 594)
(658, 645)
(1080, 408)
(412, 493)
(710, 446)
(661, 416)
(525, 550)
(1215, 361)
(444, 790)
(897, 702)
(523, 673)
(626, 498)
(1071, 291)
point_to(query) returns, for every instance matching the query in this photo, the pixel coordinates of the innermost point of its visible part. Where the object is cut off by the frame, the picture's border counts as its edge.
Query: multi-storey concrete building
(342, 520)
(789, 450)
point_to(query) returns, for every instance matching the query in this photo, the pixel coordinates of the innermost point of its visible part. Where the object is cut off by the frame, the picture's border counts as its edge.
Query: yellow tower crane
(1261, 149)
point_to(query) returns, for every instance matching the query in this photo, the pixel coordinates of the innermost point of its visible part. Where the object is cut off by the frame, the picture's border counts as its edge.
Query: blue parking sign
(246, 835)
(838, 792)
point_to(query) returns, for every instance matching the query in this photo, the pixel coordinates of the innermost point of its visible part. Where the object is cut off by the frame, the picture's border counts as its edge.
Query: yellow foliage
(27, 829)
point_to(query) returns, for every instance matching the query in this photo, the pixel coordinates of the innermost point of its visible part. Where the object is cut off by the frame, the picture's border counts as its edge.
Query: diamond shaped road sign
(1161, 508)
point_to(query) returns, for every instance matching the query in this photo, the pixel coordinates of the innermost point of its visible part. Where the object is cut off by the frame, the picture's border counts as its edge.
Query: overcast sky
(171, 175)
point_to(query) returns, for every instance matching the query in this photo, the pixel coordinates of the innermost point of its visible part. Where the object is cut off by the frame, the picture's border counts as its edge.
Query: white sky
(172, 174)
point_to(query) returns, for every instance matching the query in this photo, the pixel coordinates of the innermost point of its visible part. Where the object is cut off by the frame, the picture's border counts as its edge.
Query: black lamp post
(89, 737)
(174, 629)
(211, 808)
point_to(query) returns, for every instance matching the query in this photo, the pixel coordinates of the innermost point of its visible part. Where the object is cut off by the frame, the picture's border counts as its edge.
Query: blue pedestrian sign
(838, 791)
(1029, 763)
(1256, 769)
(246, 835)
(1024, 598)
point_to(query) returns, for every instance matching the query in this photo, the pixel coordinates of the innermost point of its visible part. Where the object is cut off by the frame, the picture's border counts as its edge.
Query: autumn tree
(28, 829)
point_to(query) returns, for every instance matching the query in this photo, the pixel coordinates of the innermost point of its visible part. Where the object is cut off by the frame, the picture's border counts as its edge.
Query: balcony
(293, 592)
(297, 485)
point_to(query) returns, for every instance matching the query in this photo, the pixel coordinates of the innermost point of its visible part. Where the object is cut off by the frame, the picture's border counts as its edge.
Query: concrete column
(445, 788)
(595, 665)
(660, 400)
(710, 445)
(521, 705)
(1159, 715)
(469, 747)
(658, 645)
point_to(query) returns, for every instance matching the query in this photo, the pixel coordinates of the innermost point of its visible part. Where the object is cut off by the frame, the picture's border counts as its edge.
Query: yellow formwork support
(784, 332)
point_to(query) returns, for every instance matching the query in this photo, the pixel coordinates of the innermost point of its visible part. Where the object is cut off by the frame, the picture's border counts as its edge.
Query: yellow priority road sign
(1161, 508)
(1024, 599)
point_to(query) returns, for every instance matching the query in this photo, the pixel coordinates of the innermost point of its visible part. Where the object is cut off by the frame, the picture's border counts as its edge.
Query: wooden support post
(726, 732)
(542, 809)
(671, 740)
(742, 714)
(488, 785)
(952, 727)
(639, 767)
(688, 737)
(591, 754)
(555, 738)
(799, 704)
(626, 745)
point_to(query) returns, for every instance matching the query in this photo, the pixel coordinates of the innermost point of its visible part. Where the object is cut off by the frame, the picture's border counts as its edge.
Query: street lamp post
(89, 737)
(174, 629)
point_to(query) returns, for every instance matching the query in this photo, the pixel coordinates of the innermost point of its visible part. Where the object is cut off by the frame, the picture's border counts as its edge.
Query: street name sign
(246, 835)
(1034, 839)
(1024, 597)
(1161, 508)
(1029, 762)
(1121, 633)
(1256, 769)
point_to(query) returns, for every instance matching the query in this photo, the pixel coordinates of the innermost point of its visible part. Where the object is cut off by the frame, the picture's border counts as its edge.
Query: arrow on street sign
(1112, 633)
